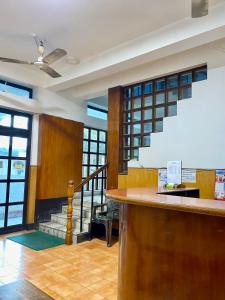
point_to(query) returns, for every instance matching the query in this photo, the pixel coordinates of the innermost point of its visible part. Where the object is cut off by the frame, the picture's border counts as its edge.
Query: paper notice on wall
(189, 175)
(220, 185)
(174, 171)
(162, 177)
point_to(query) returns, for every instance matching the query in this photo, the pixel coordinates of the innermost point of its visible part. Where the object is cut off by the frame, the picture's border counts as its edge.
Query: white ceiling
(85, 28)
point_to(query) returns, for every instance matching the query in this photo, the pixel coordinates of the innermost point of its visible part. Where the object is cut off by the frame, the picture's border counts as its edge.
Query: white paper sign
(174, 171)
(189, 175)
(162, 177)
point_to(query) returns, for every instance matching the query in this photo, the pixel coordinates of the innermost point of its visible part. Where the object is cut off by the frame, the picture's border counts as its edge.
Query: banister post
(70, 193)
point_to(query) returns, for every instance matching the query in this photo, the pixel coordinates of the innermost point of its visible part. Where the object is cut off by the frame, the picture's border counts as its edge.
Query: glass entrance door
(15, 135)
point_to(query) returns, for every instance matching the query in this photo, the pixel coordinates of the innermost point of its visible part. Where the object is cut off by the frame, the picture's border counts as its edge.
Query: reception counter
(171, 247)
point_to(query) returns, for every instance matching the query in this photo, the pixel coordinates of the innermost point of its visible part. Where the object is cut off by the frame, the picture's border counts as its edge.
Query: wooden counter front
(171, 247)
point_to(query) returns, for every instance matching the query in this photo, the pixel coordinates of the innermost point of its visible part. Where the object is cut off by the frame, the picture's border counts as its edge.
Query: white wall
(196, 134)
(49, 103)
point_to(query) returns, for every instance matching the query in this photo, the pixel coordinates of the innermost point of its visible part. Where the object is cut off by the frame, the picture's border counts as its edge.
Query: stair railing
(71, 189)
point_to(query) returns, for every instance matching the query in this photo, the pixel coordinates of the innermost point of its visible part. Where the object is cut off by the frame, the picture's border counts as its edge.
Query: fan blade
(50, 71)
(200, 8)
(54, 56)
(15, 61)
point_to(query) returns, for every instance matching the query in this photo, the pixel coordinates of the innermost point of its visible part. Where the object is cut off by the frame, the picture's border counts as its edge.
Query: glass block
(127, 117)
(158, 126)
(102, 148)
(159, 112)
(136, 141)
(136, 128)
(147, 127)
(137, 91)
(148, 101)
(4, 145)
(102, 136)
(186, 92)
(172, 82)
(19, 147)
(16, 191)
(93, 147)
(5, 120)
(135, 153)
(101, 159)
(186, 78)
(127, 154)
(84, 172)
(200, 75)
(2, 216)
(160, 85)
(94, 135)
(127, 141)
(3, 187)
(126, 129)
(137, 116)
(128, 92)
(160, 98)
(148, 88)
(20, 122)
(85, 159)
(146, 140)
(86, 131)
(147, 114)
(173, 95)
(172, 110)
(15, 215)
(127, 105)
(93, 159)
(85, 146)
(18, 169)
(3, 168)
(137, 103)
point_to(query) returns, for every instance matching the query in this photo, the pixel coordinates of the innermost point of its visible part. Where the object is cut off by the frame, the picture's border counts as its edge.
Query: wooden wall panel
(141, 177)
(59, 156)
(114, 145)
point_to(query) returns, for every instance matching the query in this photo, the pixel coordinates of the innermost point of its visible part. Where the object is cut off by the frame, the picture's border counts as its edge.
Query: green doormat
(37, 240)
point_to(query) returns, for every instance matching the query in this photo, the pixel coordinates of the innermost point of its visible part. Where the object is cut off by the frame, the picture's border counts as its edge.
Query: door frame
(27, 133)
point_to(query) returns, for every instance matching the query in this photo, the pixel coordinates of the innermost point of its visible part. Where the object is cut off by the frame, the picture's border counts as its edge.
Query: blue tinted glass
(172, 82)
(96, 114)
(15, 215)
(14, 90)
(160, 85)
(128, 92)
(172, 110)
(4, 145)
(186, 93)
(2, 192)
(137, 90)
(148, 88)
(186, 78)
(200, 75)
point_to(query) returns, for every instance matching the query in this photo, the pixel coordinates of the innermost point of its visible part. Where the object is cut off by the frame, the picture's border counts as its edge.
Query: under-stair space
(58, 223)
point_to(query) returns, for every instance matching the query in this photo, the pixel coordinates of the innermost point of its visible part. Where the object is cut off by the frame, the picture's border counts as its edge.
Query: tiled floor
(87, 271)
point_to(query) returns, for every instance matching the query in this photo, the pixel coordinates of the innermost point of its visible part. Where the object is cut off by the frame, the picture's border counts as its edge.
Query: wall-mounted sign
(189, 175)
(220, 185)
(174, 171)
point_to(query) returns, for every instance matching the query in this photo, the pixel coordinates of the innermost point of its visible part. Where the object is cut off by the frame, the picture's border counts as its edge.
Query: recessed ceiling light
(72, 60)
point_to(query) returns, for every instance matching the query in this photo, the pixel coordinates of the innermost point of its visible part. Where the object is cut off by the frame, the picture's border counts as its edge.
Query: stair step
(58, 230)
(61, 218)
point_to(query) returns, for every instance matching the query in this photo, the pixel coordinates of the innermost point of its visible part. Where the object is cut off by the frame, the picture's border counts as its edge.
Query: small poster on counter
(189, 175)
(162, 177)
(220, 185)
(174, 171)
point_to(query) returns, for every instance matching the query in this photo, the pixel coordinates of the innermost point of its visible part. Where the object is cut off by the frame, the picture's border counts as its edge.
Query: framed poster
(220, 185)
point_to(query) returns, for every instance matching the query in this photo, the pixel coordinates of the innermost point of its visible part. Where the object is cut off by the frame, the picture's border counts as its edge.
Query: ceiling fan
(199, 8)
(42, 61)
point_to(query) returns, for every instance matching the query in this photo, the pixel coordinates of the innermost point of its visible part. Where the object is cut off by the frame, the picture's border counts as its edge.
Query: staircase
(57, 225)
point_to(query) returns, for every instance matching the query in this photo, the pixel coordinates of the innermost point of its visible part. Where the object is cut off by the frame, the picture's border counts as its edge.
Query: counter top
(151, 197)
